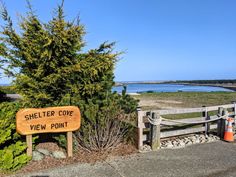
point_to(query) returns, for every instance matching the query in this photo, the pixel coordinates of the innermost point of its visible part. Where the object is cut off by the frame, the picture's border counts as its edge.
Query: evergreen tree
(48, 64)
(51, 69)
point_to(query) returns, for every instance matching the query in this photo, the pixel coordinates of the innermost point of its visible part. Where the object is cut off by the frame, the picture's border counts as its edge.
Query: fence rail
(191, 110)
(151, 123)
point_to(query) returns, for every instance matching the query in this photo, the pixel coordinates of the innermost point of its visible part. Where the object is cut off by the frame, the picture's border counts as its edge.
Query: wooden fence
(151, 124)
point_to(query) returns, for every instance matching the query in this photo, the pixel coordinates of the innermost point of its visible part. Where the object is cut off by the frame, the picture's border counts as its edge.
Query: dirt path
(161, 104)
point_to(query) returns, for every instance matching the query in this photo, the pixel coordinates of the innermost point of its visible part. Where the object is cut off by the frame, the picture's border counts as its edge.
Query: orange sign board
(45, 120)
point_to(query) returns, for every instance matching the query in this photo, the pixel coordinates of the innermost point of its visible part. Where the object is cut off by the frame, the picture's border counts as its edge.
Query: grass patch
(191, 99)
(8, 89)
(156, 101)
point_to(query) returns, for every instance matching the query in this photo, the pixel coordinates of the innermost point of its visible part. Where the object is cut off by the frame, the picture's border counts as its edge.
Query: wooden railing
(151, 123)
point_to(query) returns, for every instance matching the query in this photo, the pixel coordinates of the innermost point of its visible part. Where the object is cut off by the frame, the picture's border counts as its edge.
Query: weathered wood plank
(214, 108)
(234, 109)
(181, 132)
(155, 132)
(223, 123)
(144, 123)
(179, 111)
(69, 144)
(29, 145)
(219, 122)
(195, 119)
(145, 137)
(191, 110)
(140, 128)
(185, 131)
(207, 117)
(190, 120)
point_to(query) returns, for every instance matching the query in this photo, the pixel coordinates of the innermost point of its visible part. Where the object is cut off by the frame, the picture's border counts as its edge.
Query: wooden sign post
(48, 120)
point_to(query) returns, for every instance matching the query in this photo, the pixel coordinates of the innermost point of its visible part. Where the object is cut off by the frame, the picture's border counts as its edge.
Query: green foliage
(104, 127)
(2, 60)
(52, 68)
(12, 151)
(13, 157)
(128, 104)
(61, 140)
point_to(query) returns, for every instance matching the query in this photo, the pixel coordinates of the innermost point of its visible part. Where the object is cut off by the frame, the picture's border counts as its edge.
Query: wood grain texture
(191, 110)
(29, 145)
(48, 120)
(69, 144)
(155, 133)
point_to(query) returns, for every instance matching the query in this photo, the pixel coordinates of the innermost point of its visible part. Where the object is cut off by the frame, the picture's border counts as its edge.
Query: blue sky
(162, 39)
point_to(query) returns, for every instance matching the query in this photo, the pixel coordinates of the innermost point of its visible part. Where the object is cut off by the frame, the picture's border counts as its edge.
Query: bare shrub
(104, 131)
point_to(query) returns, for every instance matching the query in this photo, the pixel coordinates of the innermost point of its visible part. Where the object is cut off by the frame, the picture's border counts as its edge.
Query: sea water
(139, 88)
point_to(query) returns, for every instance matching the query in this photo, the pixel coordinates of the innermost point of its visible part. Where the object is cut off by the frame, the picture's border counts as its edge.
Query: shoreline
(226, 86)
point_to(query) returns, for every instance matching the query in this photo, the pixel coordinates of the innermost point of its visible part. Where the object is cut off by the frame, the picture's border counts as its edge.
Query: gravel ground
(215, 159)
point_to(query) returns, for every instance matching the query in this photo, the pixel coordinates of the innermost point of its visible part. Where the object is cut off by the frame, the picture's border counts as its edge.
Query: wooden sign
(48, 120)
(52, 119)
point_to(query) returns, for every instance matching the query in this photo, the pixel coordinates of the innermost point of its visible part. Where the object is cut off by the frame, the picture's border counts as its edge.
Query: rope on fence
(154, 121)
(158, 121)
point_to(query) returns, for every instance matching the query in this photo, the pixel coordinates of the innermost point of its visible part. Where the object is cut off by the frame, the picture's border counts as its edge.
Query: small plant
(128, 104)
(104, 126)
(61, 140)
(12, 147)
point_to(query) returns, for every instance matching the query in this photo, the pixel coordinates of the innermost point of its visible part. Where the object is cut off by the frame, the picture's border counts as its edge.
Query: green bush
(128, 103)
(54, 67)
(55, 70)
(61, 140)
(12, 147)
(103, 123)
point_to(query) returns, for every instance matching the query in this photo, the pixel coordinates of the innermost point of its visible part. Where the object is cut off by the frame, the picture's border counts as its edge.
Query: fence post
(226, 113)
(221, 122)
(149, 134)
(234, 109)
(139, 128)
(29, 145)
(155, 132)
(207, 117)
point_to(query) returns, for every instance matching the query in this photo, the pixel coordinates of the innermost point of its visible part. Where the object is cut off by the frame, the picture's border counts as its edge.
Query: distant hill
(222, 81)
(219, 81)
(5, 84)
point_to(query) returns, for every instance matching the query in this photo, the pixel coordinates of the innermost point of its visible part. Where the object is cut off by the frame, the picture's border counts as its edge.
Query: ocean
(140, 88)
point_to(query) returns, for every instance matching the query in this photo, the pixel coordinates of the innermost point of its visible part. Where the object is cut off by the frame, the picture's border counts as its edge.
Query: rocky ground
(52, 151)
(181, 142)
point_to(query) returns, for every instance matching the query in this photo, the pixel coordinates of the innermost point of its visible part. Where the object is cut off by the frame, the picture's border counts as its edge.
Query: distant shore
(139, 82)
(226, 85)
